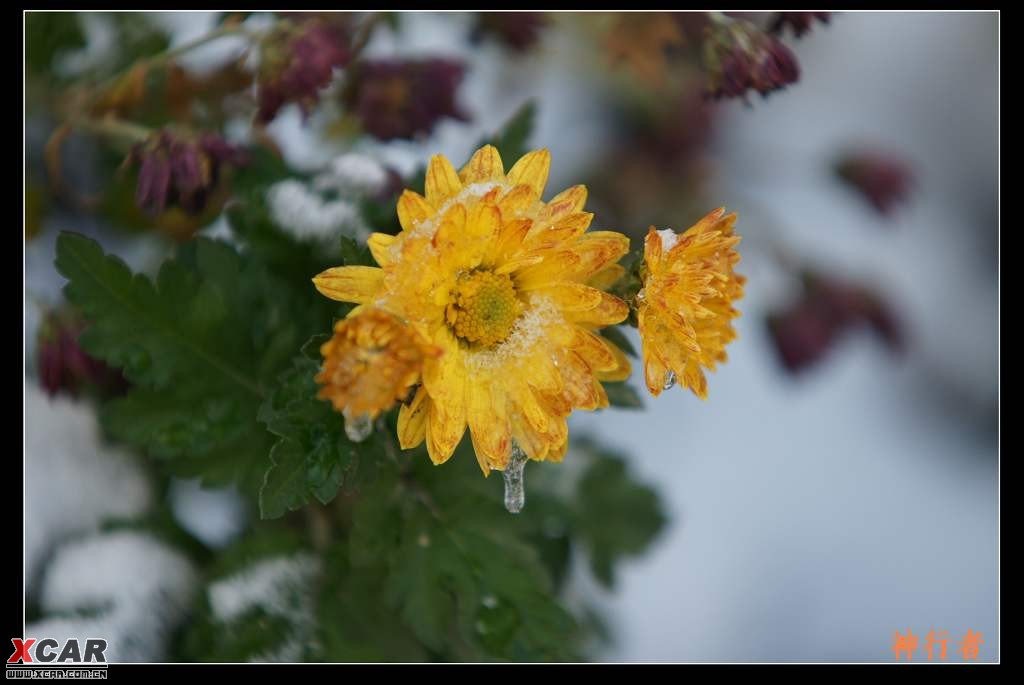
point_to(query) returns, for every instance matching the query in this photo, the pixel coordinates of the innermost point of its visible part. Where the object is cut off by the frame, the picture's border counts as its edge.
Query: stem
(115, 128)
(162, 58)
(365, 31)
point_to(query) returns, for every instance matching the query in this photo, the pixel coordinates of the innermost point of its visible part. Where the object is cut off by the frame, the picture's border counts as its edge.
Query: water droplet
(515, 495)
(670, 380)
(358, 428)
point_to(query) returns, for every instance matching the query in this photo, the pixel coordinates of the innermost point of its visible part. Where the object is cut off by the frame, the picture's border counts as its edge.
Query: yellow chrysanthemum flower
(685, 309)
(370, 363)
(510, 288)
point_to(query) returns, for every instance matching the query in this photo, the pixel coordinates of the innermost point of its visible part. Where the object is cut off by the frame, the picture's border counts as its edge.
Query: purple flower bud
(801, 337)
(63, 365)
(298, 60)
(882, 179)
(799, 22)
(740, 57)
(805, 331)
(404, 98)
(177, 171)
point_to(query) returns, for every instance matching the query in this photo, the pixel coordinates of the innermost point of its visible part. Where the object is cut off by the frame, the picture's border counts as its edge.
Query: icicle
(515, 496)
(670, 380)
(358, 428)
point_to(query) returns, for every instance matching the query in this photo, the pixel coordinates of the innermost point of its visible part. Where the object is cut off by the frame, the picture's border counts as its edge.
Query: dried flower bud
(516, 30)
(404, 98)
(882, 179)
(740, 57)
(804, 332)
(799, 22)
(178, 171)
(298, 60)
(64, 365)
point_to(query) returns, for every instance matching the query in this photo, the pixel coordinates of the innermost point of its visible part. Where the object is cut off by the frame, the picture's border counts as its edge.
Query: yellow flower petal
(520, 200)
(359, 284)
(380, 247)
(485, 165)
(624, 368)
(609, 310)
(532, 169)
(488, 427)
(412, 209)
(566, 202)
(412, 420)
(442, 183)
(446, 424)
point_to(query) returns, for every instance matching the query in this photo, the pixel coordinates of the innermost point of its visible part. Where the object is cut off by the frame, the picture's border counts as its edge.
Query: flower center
(484, 308)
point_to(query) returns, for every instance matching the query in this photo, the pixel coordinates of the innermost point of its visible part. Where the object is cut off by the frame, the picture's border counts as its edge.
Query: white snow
(72, 480)
(279, 586)
(135, 589)
(669, 238)
(353, 172)
(298, 209)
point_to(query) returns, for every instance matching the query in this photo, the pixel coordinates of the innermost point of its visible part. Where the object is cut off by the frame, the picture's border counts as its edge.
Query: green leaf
(354, 622)
(623, 395)
(313, 457)
(354, 253)
(513, 139)
(456, 567)
(156, 333)
(615, 517)
(200, 344)
(48, 34)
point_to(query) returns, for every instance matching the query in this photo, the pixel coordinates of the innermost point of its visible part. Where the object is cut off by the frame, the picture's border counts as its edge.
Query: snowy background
(810, 517)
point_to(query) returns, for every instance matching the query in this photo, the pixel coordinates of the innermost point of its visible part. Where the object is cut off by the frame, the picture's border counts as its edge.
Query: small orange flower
(370, 363)
(685, 309)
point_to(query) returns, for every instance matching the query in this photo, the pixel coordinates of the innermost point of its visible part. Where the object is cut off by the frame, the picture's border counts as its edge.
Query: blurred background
(841, 482)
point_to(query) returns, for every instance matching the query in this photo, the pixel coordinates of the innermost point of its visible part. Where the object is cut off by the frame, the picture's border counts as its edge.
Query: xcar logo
(48, 651)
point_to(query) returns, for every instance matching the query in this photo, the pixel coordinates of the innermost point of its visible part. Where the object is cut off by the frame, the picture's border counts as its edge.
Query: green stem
(115, 128)
(162, 58)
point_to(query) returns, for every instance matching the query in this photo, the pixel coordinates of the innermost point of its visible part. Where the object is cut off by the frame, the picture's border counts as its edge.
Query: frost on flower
(503, 284)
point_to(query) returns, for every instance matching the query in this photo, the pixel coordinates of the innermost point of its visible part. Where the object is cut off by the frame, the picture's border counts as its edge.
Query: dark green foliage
(312, 457)
(48, 34)
(614, 516)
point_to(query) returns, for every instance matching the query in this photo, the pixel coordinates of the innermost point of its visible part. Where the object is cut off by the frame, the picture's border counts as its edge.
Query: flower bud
(404, 98)
(298, 59)
(179, 171)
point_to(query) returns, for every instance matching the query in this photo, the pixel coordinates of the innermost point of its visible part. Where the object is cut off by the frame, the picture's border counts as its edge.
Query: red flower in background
(178, 171)
(298, 61)
(804, 332)
(404, 98)
(739, 57)
(882, 179)
(64, 365)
